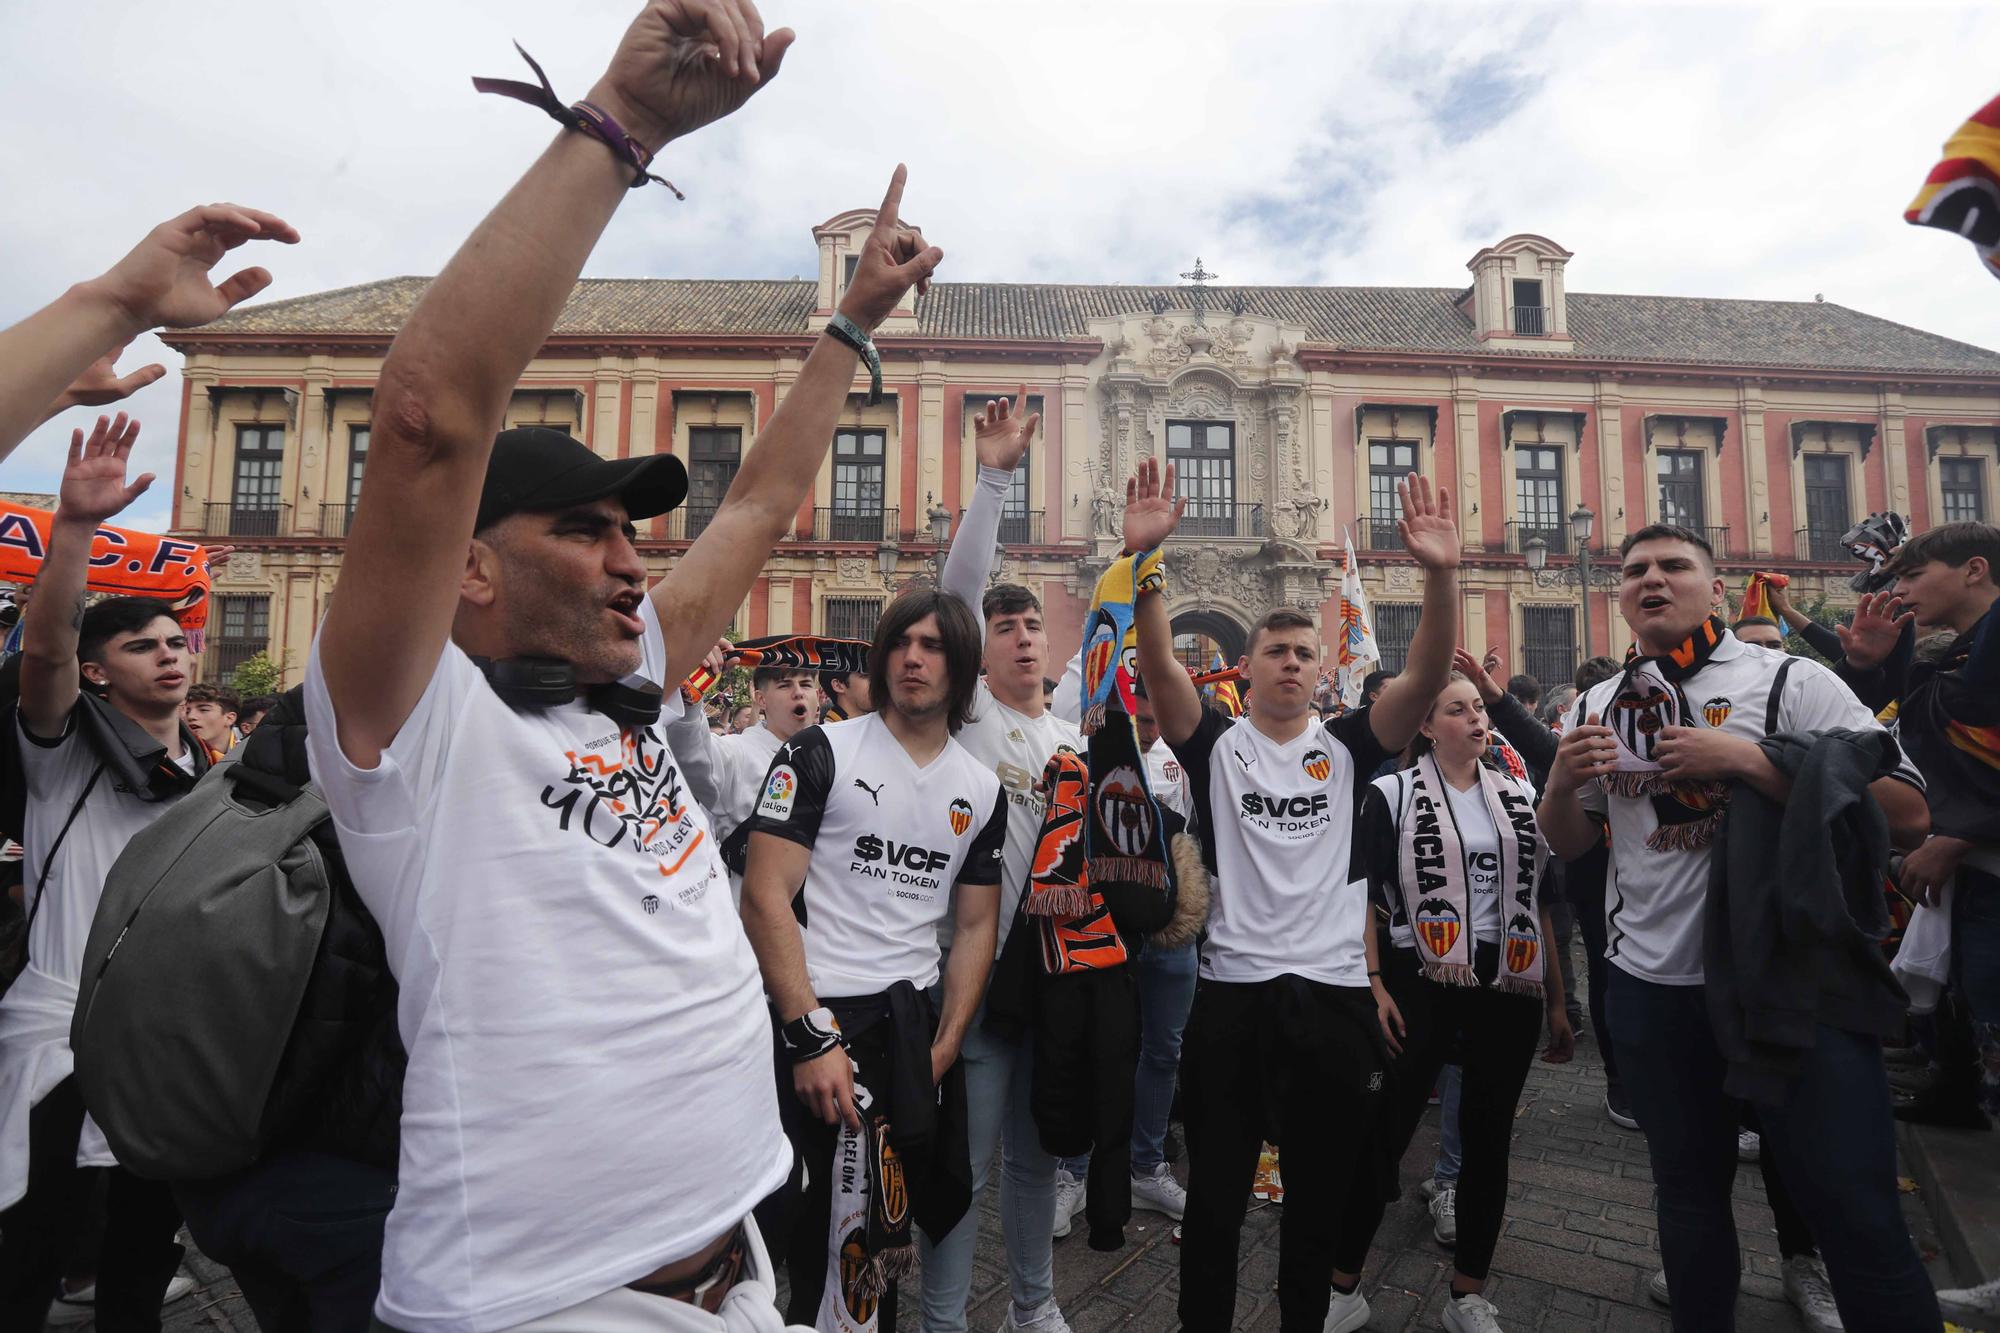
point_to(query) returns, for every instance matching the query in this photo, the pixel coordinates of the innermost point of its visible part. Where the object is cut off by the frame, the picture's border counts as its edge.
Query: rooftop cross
(1199, 276)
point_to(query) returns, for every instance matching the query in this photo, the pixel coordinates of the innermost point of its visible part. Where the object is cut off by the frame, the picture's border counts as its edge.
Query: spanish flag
(1962, 193)
(1224, 692)
(1757, 598)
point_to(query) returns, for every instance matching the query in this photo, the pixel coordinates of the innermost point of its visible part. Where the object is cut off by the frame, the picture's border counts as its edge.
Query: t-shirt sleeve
(402, 786)
(1815, 699)
(50, 765)
(792, 801)
(1356, 732)
(982, 863)
(1196, 753)
(1375, 849)
(652, 651)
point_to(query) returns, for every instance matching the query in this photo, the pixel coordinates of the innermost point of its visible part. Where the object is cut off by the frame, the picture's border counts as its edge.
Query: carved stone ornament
(243, 567)
(1400, 578)
(852, 570)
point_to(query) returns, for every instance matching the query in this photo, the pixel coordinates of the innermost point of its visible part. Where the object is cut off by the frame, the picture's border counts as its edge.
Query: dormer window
(1530, 315)
(847, 271)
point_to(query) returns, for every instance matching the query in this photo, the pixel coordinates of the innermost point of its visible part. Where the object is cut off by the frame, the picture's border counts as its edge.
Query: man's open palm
(1002, 431)
(1152, 511)
(93, 482)
(166, 280)
(1878, 622)
(1428, 526)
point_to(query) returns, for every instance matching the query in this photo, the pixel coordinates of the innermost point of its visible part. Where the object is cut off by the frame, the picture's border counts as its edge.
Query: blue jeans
(1166, 991)
(1975, 965)
(1450, 1145)
(997, 1079)
(1835, 1145)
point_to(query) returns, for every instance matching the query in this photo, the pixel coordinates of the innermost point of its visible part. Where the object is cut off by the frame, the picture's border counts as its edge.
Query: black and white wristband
(847, 331)
(811, 1035)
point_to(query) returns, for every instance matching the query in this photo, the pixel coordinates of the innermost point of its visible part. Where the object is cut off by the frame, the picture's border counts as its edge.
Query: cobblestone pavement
(1577, 1252)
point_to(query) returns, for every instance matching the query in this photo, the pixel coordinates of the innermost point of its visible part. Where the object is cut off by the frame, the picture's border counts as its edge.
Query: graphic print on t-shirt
(627, 786)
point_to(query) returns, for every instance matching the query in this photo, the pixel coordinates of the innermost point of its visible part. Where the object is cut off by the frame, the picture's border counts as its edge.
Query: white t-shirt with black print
(889, 840)
(1656, 895)
(589, 1094)
(1167, 778)
(1277, 826)
(1480, 841)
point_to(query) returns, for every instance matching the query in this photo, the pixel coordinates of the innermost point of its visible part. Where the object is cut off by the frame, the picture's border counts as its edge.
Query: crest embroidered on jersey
(1716, 711)
(1317, 764)
(961, 815)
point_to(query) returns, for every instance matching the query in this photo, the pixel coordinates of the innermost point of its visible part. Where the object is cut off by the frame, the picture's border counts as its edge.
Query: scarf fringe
(1450, 974)
(1514, 985)
(884, 1270)
(1093, 718)
(1635, 786)
(1687, 837)
(1067, 900)
(1138, 870)
(1191, 895)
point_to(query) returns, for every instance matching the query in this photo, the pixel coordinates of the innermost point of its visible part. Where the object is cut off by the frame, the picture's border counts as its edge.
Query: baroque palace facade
(1289, 412)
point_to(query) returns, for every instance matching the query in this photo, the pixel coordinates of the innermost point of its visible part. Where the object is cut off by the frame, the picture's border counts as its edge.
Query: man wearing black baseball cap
(589, 1114)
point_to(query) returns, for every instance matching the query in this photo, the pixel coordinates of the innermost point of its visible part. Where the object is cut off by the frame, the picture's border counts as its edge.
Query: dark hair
(1748, 621)
(1667, 532)
(771, 675)
(1283, 617)
(114, 616)
(1525, 688)
(829, 679)
(206, 692)
(1048, 685)
(1007, 599)
(1373, 681)
(956, 627)
(1594, 671)
(1421, 745)
(258, 705)
(1953, 544)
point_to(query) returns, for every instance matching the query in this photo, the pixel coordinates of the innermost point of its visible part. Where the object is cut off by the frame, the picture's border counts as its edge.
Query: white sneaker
(1806, 1288)
(1430, 1187)
(1471, 1314)
(1444, 1215)
(1981, 1302)
(1160, 1192)
(1069, 1201)
(1749, 1145)
(1048, 1318)
(80, 1306)
(1346, 1312)
(1657, 1288)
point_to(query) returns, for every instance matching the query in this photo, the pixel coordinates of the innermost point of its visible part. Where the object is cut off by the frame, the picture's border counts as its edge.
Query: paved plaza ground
(1578, 1248)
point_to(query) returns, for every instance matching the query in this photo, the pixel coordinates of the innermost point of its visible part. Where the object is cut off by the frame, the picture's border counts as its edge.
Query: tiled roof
(1672, 329)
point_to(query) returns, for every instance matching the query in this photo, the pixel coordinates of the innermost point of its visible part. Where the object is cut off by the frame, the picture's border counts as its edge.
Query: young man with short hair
(1283, 1028)
(588, 1112)
(211, 712)
(252, 713)
(1687, 715)
(846, 696)
(787, 702)
(1526, 689)
(871, 836)
(103, 750)
(1010, 731)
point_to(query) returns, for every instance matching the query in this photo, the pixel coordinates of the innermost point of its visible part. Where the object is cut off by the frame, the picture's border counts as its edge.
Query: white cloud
(1713, 150)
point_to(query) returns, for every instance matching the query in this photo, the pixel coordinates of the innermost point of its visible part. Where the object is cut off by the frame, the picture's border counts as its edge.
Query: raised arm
(1150, 518)
(93, 491)
(1001, 436)
(49, 361)
(1523, 730)
(443, 392)
(697, 600)
(1429, 529)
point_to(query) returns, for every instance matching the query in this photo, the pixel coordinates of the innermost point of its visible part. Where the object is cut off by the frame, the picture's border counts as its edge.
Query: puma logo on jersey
(874, 792)
(1242, 759)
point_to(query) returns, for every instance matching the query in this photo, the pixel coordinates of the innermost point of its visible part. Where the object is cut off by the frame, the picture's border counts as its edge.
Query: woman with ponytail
(1455, 860)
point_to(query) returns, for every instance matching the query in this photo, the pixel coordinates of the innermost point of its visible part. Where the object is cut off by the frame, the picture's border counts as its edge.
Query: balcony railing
(1820, 544)
(1214, 518)
(1531, 321)
(683, 524)
(1718, 540)
(333, 520)
(1514, 541)
(228, 520)
(847, 525)
(1022, 529)
(1379, 534)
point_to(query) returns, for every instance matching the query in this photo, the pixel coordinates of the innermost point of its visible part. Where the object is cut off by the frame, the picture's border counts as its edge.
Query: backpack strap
(1776, 696)
(49, 861)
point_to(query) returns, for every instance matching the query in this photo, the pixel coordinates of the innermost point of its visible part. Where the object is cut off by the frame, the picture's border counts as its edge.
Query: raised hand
(893, 259)
(101, 385)
(93, 483)
(1585, 752)
(684, 63)
(1151, 510)
(1000, 434)
(1878, 622)
(1429, 527)
(1476, 672)
(165, 280)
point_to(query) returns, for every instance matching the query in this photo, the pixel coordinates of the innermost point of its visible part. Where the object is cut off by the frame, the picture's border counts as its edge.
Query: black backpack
(236, 996)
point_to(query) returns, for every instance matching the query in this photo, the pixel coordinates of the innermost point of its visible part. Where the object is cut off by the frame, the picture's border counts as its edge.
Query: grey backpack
(199, 957)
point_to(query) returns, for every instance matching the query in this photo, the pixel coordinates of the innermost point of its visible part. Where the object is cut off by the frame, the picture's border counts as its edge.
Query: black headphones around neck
(538, 683)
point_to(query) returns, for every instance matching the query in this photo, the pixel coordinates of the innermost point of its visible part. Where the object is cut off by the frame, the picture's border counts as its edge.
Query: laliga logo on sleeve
(1437, 925)
(779, 791)
(1523, 941)
(1317, 764)
(961, 815)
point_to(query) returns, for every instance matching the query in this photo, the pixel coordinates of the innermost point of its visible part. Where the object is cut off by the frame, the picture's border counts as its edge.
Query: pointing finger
(892, 202)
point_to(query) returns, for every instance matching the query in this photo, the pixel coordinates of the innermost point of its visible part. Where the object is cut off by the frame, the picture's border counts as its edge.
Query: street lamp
(885, 560)
(1581, 524)
(940, 522)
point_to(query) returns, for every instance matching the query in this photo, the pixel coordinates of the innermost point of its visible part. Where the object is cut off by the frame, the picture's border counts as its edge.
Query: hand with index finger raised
(893, 258)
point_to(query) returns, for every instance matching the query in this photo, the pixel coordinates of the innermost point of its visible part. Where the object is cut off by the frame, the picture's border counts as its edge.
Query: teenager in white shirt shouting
(588, 1116)
(1282, 1041)
(1688, 713)
(870, 834)
(1013, 734)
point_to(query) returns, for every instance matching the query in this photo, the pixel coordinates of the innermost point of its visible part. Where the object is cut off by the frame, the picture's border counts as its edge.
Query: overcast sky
(1756, 151)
